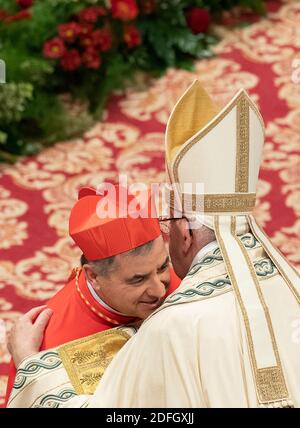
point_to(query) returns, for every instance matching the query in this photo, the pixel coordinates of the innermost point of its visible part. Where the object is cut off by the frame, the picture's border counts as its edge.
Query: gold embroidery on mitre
(85, 360)
(243, 103)
(187, 146)
(215, 203)
(242, 146)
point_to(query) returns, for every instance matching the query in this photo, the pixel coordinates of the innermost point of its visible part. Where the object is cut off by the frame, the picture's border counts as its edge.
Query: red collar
(93, 305)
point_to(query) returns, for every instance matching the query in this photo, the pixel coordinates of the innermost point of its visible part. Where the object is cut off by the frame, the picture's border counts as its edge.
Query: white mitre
(213, 158)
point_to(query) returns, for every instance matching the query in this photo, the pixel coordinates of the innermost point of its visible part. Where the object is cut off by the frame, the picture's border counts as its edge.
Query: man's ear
(186, 234)
(90, 274)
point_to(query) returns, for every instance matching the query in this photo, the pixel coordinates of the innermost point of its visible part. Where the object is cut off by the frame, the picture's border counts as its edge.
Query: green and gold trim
(269, 381)
(275, 255)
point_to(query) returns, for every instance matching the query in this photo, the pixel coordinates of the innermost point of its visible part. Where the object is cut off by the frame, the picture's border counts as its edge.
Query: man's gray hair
(203, 234)
(104, 267)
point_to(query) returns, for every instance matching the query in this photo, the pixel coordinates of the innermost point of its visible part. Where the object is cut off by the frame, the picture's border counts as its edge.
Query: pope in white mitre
(226, 337)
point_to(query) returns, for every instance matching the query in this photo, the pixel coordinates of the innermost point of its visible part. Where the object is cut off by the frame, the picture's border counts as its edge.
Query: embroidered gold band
(218, 203)
(271, 384)
(85, 360)
(266, 365)
(242, 148)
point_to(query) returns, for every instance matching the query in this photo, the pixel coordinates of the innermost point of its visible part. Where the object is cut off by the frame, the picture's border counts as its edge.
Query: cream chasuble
(68, 373)
(192, 352)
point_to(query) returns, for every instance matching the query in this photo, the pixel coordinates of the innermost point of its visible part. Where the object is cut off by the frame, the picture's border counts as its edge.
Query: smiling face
(137, 283)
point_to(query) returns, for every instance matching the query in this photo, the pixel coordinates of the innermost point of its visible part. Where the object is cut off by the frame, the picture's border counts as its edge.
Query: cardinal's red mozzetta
(76, 312)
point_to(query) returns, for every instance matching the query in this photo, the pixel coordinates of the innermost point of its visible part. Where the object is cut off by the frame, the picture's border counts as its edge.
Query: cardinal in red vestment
(78, 309)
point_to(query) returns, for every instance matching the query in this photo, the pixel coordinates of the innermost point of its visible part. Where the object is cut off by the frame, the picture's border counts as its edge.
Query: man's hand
(26, 335)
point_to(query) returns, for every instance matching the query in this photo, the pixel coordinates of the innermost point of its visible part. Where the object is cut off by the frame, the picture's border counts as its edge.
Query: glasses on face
(165, 224)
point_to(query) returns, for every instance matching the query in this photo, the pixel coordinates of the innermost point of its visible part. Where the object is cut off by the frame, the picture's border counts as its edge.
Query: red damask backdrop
(37, 193)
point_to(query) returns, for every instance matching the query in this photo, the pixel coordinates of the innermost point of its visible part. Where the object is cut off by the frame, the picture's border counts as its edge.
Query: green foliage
(22, 67)
(218, 6)
(33, 107)
(13, 99)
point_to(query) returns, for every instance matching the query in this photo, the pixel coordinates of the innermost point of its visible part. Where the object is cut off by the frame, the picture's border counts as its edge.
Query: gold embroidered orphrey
(269, 381)
(231, 202)
(85, 360)
(242, 147)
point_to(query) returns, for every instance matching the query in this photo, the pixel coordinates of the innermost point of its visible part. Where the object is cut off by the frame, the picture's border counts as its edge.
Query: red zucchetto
(112, 223)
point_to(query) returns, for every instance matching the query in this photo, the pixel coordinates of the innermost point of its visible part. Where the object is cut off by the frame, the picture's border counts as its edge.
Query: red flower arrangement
(86, 28)
(148, 6)
(91, 59)
(198, 20)
(71, 60)
(20, 16)
(91, 14)
(85, 39)
(125, 10)
(103, 39)
(54, 48)
(82, 41)
(25, 4)
(95, 45)
(69, 31)
(3, 14)
(132, 36)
